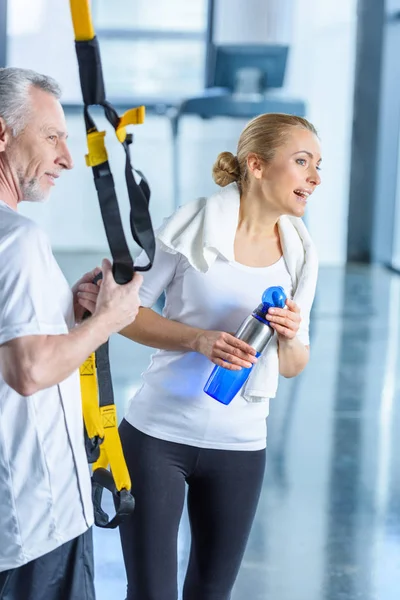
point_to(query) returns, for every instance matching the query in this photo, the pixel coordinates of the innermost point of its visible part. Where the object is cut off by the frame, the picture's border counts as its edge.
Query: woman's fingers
(233, 360)
(234, 351)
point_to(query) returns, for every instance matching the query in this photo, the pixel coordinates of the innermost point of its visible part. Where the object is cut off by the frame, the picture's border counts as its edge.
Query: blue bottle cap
(273, 296)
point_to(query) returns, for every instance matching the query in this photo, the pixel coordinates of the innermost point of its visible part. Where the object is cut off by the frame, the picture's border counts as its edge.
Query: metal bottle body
(223, 384)
(255, 332)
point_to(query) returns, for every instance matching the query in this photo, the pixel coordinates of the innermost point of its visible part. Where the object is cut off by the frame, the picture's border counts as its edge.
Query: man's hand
(117, 305)
(85, 294)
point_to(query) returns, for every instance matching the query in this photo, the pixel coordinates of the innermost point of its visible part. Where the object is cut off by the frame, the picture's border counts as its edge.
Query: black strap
(93, 91)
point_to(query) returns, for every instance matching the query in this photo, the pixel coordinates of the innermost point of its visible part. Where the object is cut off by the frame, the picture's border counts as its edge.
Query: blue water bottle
(223, 384)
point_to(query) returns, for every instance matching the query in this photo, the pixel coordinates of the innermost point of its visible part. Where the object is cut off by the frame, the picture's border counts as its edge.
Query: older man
(45, 499)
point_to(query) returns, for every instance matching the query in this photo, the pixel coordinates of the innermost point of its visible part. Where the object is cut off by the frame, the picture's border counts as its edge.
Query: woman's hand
(285, 321)
(225, 350)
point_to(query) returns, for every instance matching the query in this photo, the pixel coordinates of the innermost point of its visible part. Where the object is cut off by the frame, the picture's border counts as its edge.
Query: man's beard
(31, 190)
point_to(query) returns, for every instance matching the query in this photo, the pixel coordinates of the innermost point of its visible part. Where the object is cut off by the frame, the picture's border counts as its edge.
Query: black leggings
(223, 491)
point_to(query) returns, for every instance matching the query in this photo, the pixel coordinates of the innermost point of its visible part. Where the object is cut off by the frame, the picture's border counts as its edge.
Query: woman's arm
(151, 329)
(293, 356)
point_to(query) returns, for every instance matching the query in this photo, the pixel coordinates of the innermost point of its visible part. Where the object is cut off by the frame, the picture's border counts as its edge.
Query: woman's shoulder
(194, 229)
(176, 223)
(181, 232)
(191, 208)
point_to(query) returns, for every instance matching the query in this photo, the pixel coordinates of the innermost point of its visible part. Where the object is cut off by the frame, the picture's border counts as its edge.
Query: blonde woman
(214, 259)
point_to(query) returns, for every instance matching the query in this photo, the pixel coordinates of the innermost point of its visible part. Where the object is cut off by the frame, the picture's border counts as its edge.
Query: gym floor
(328, 522)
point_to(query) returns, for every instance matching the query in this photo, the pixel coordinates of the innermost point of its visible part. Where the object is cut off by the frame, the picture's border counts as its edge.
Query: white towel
(203, 229)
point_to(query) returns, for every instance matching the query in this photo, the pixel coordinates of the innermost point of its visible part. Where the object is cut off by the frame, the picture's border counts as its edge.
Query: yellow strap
(133, 116)
(97, 149)
(82, 20)
(103, 422)
(111, 449)
(90, 403)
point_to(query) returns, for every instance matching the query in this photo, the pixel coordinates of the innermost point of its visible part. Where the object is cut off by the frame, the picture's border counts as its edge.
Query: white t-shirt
(171, 404)
(45, 494)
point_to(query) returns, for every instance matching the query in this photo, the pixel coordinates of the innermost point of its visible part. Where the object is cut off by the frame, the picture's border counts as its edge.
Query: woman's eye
(301, 161)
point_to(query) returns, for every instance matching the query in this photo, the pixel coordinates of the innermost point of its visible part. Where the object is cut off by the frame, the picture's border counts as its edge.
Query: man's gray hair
(14, 95)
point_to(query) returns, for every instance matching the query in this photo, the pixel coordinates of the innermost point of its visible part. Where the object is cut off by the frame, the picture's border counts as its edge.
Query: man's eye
(52, 138)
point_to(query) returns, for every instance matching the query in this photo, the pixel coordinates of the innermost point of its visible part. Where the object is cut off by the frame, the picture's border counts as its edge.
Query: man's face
(39, 154)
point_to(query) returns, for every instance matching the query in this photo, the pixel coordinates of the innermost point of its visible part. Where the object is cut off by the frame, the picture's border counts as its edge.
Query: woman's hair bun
(226, 169)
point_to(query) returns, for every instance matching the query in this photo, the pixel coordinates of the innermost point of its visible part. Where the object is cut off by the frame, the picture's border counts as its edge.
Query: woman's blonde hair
(261, 136)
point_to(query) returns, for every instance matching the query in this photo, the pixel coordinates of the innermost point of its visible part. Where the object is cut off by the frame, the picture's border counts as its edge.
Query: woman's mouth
(302, 195)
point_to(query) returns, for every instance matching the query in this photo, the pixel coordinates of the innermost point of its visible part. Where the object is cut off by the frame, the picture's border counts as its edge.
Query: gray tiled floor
(328, 523)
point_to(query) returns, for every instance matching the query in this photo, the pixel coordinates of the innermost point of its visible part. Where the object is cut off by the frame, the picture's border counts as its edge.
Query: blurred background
(328, 525)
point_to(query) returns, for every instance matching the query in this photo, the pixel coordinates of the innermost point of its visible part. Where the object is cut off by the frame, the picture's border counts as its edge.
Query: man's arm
(31, 363)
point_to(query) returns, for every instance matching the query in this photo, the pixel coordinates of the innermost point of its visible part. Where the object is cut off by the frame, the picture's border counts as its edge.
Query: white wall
(320, 70)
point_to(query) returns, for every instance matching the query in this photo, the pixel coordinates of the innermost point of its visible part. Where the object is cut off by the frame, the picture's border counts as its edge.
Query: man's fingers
(106, 268)
(88, 277)
(136, 281)
(89, 287)
(87, 296)
(96, 271)
(87, 304)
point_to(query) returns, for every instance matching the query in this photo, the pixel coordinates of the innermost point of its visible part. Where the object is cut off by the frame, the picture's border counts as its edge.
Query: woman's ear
(255, 165)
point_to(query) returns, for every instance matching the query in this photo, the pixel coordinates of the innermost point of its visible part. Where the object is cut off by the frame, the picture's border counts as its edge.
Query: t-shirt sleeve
(157, 279)
(29, 304)
(303, 332)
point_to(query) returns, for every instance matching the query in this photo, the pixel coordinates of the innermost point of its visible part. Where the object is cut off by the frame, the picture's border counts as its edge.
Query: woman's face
(292, 175)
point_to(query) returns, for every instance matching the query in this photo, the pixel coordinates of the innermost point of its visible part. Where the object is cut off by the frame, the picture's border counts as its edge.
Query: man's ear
(4, 135)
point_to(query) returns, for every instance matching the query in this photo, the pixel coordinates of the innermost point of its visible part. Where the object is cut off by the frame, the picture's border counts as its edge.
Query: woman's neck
(257, 242)
(256, 219)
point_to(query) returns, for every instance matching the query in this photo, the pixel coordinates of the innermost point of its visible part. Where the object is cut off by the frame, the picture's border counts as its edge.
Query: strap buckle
(123, 500)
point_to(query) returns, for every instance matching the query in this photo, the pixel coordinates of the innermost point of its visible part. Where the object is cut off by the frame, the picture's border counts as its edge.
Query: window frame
(159, 104)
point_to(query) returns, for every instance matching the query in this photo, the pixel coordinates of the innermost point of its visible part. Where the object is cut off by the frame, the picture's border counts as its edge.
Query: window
(152, 50)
